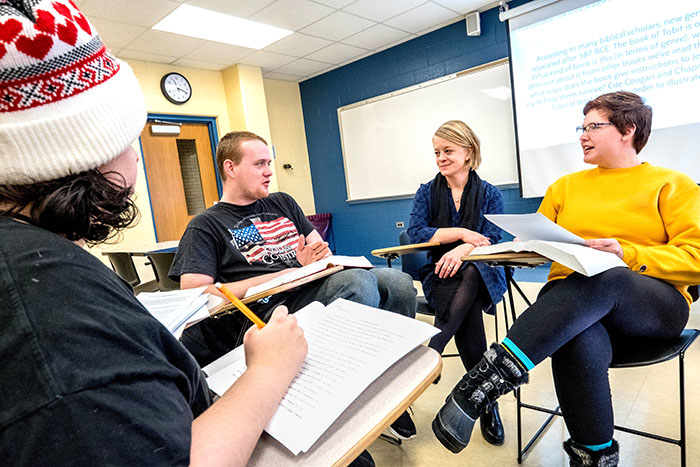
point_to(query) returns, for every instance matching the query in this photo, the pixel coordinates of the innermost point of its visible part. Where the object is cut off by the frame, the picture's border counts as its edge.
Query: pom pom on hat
(66, 103)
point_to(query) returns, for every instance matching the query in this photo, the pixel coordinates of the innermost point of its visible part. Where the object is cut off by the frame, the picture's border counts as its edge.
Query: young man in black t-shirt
(252, 236)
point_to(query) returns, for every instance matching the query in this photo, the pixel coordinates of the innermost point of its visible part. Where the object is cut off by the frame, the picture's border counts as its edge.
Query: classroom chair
(161, 263)
(123, 265)
(411, 264)
(643, 352)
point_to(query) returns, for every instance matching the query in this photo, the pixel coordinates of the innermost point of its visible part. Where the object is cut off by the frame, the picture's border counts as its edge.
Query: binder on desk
(298, 277)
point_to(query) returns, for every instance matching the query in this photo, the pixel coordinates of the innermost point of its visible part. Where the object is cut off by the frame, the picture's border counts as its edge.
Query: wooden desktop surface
(396, 251)
(519, 259)
(365, 419)
(229, 307)
(142, 250)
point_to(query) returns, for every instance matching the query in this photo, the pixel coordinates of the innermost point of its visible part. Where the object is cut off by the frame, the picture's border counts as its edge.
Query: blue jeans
(388, 289)
(385, 288)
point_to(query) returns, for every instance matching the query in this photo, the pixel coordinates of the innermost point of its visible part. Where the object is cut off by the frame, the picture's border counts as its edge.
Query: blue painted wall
(360, 228)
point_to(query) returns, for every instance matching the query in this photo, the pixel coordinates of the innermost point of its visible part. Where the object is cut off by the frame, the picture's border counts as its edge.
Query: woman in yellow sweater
(648, 216)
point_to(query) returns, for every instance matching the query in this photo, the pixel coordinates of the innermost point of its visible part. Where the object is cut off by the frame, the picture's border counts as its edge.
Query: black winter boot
(580, 456)
(496, 374)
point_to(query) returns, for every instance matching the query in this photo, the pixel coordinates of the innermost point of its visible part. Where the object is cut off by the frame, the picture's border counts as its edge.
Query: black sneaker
(403, 427)
(496, 374)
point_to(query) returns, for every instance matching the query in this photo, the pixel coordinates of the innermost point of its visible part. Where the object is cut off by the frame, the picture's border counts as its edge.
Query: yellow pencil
(240, 305)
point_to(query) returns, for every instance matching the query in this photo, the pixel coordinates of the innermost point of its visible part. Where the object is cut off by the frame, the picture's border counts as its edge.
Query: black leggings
(579, 321)
(464, 319)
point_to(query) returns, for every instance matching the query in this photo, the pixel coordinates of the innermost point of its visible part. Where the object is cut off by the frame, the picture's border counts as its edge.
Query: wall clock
(176, 88)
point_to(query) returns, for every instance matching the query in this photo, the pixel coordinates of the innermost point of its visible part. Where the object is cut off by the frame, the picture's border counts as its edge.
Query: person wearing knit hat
(87, 375)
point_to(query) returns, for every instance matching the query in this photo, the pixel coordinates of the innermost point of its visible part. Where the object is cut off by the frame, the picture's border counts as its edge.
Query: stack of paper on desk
(295, 274)
(176, 308)
(542, 236)
(350, 345)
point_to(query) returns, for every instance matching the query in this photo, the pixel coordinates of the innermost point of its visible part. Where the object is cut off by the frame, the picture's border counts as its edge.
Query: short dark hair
(87, 206)
(625, 110)
(230, 148)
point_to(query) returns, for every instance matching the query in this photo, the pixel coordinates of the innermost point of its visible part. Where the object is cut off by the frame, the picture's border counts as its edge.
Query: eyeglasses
(590, 127)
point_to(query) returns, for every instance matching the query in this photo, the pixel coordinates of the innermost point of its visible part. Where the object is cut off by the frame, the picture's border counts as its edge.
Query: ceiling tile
(381, 10)
(359, 57)
(461, 6)
(298, 45)
(216, 52)
(240, 8)
(116, 35)
(335, 3)
(199, 64)
(281, 76)
(291, 14)
(127, 54)
(421, 18)
(266, 60)
(336, 53)
(302, 67)
(164, 43)
(375, 37)
(137, 12)
(393, 44)
(320, 72)
(338, 26)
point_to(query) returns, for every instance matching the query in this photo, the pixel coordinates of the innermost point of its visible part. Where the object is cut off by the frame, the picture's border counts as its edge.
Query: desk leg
(510, 282)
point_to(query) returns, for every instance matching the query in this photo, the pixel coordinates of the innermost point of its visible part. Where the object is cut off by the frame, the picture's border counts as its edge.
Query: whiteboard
(387, 140)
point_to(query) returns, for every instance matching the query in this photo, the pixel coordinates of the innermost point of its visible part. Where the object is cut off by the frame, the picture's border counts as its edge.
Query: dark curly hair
(625, 110)
(90, 206)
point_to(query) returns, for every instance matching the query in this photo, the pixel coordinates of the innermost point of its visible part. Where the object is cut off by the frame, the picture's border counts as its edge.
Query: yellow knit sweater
(653, 212)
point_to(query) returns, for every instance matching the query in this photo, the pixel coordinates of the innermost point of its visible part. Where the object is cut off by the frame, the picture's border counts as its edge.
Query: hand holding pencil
(240, 305)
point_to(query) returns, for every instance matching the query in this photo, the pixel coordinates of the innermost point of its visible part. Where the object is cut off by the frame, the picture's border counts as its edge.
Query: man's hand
(307, 254)
(606, 244)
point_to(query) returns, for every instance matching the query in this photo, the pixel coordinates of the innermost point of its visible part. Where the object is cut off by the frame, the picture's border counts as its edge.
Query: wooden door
(181, 177)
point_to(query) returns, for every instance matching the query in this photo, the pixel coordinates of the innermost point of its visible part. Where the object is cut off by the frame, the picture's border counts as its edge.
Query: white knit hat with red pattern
(66, 104)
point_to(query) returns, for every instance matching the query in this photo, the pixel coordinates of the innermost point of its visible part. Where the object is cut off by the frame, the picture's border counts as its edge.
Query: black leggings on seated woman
(463, 318)
(578, 321)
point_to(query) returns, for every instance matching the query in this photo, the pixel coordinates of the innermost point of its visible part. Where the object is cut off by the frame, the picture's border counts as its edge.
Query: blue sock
(596, 447)
(517, 353)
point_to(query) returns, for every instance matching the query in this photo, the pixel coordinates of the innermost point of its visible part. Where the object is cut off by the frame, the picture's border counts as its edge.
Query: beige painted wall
(289, 139)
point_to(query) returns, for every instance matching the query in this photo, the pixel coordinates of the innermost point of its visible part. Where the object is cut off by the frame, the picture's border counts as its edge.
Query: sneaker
(363, 460)
(403, 427)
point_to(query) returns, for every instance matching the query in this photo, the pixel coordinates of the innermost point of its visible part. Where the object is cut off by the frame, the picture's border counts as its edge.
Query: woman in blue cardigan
(450, 209)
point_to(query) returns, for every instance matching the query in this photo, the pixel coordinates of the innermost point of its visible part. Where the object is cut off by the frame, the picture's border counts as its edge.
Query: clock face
(176, 88)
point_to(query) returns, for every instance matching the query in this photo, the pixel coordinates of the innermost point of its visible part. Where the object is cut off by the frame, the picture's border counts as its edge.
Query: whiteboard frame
(399, 92)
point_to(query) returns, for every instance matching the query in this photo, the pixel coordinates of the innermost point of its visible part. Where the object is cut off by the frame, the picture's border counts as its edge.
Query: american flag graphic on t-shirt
(268, 241)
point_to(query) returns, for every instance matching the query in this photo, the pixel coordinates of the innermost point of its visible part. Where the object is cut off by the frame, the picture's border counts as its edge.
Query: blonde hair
(458, 132)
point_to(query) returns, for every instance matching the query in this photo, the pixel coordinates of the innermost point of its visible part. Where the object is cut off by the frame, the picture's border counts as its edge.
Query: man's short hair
(625, 110)
(229, 148)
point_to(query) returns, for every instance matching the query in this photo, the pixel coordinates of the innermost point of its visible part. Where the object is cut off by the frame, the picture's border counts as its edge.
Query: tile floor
(644, 398)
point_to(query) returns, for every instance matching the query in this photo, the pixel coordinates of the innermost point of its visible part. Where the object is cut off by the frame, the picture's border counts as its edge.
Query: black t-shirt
(88, 376)
(232, 243)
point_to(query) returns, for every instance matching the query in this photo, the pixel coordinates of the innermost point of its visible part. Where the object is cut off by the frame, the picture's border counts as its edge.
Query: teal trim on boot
(581, 456)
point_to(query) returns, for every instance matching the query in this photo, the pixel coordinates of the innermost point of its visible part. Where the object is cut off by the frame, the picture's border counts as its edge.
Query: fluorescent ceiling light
(192, 21)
